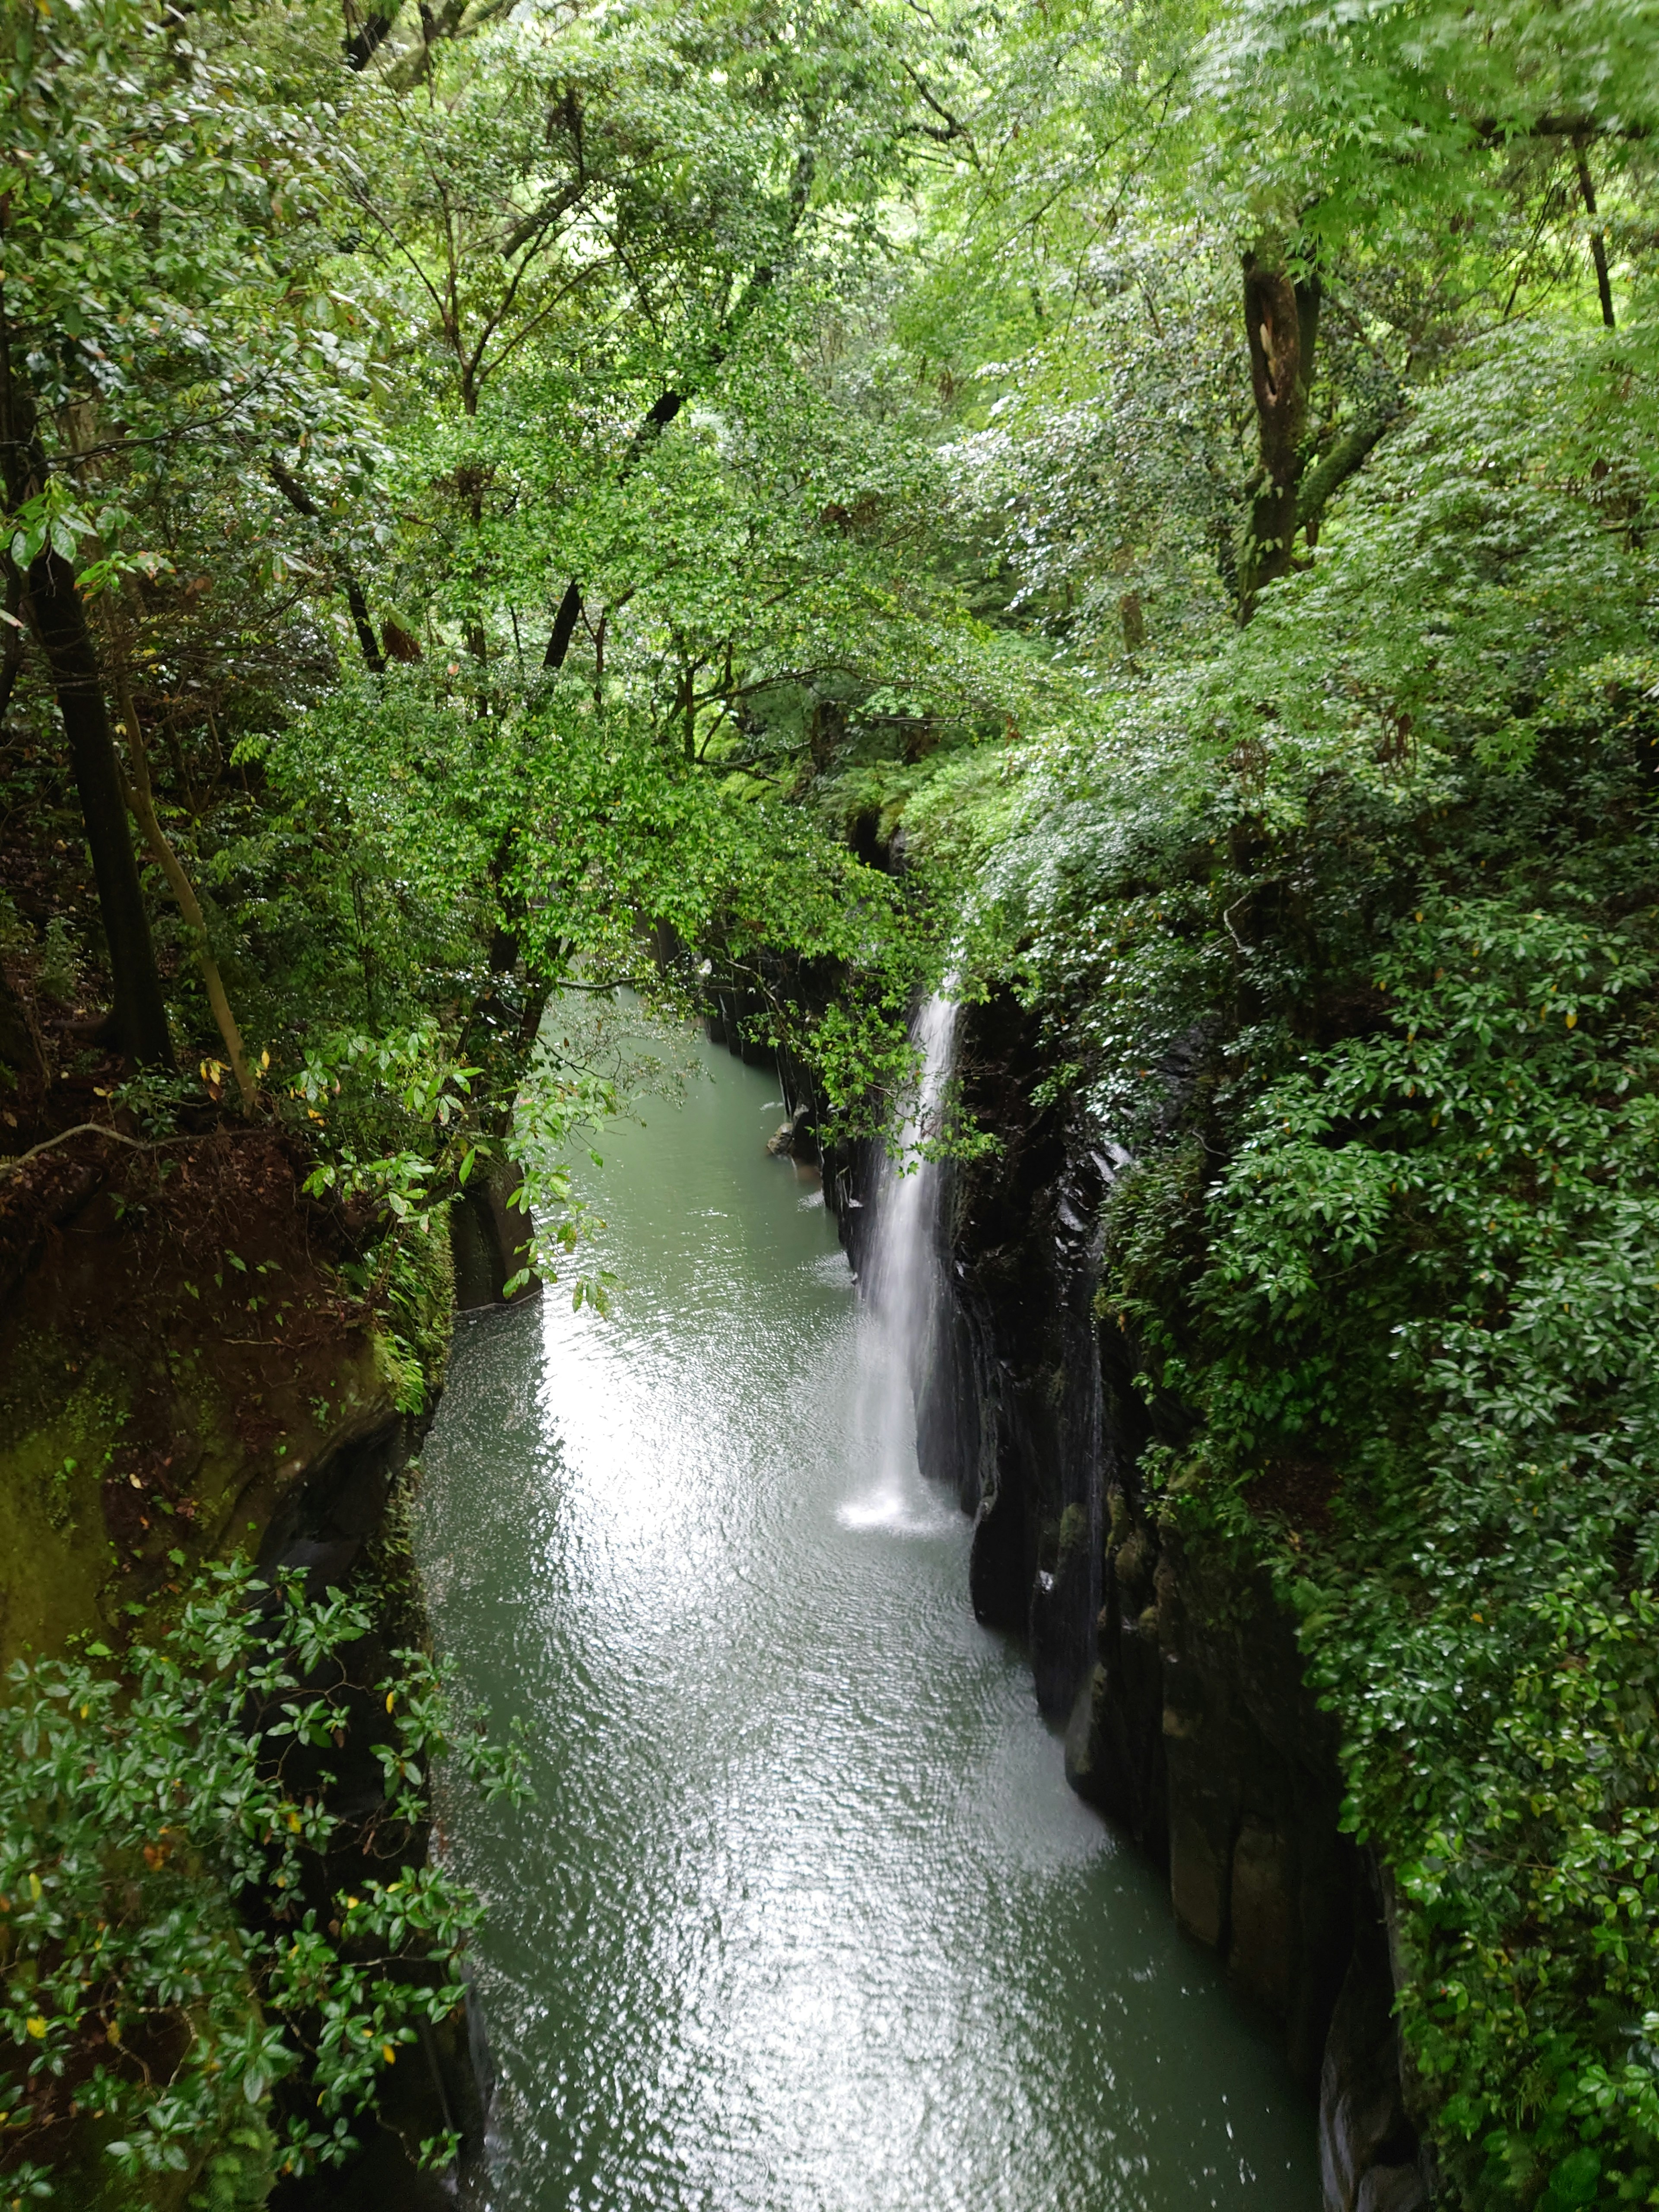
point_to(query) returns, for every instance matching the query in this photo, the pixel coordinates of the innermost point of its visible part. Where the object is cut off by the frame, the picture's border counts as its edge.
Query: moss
(387, 1576)
(64, 1422)
(94, 1503)
(416, 1322)
(1074, 1534)
(434, 1267)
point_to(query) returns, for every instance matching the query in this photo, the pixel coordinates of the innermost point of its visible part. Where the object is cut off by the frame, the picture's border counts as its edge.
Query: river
(804, 1917)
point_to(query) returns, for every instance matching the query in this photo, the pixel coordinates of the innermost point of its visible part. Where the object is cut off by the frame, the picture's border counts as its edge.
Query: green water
(804, 1917)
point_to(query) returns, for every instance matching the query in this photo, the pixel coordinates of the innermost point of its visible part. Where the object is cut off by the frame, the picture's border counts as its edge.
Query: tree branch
(1328, 476)
(85, 1129)
(301, 501)
(1581, 129)
(949, 127)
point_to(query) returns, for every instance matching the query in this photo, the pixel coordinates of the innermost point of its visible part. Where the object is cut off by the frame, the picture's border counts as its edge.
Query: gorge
(803, 1913)
(1045, 1589)
(1176, 1676)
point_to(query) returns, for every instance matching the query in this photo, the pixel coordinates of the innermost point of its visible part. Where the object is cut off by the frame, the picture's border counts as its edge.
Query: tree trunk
(656, 421)
(564, 626)
(373, 659)
(364, 36)
(59, 622)
(142, 799)
(1598, 242)
(1281, 324)
(11, 647)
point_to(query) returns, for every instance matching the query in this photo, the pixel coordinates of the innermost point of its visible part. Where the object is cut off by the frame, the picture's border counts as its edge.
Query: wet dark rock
(741, 1011)
(1187, 1719)
(1369, 2156)
(793, 1140)
(488, 1238)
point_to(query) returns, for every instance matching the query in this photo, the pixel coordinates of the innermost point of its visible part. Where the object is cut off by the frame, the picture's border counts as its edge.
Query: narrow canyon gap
(804, 1917)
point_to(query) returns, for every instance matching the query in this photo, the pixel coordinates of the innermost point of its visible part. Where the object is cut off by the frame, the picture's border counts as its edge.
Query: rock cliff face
(182, 1376)
(1188, 1719)
(346, 1526)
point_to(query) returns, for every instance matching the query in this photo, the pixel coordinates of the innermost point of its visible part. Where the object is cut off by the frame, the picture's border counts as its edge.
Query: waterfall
(901, 1289)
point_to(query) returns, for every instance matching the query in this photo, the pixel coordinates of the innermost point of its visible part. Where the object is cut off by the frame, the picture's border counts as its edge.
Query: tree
(41, 550)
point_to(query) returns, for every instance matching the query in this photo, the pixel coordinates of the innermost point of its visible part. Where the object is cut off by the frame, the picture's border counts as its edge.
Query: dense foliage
(1153, 509)
(1343, 923)
(140, 1804)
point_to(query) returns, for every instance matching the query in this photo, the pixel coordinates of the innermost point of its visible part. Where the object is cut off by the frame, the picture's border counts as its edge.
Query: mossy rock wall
(176, 1358)
(185, 1379)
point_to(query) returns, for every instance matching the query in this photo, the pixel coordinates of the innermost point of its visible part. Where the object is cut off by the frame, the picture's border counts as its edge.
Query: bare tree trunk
(564, 626)
(1598, 243)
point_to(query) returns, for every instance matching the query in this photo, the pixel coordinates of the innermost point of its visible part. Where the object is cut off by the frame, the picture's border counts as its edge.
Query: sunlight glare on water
(804, 1917)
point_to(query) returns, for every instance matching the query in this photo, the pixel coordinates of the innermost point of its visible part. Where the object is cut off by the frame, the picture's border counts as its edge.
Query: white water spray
(902, 1288)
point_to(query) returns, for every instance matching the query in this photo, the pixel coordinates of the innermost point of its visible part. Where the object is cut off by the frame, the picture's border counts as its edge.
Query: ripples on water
(804, 1917)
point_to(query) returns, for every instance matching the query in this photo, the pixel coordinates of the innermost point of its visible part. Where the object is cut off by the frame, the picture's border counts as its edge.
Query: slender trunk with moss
(141, 797)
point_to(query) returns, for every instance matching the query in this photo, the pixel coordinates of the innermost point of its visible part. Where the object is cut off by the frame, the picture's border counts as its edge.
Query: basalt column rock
(1010, 1413)
(1257, 1867)
(1370, 2157)
(1189, 1720)
(745, 1012)
(489, 1241)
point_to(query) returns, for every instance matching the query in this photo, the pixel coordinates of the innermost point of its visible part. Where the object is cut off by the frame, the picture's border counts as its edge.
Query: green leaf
(1576, 2179)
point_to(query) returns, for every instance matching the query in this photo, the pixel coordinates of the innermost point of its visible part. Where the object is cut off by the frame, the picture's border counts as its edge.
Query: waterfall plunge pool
(804, 1917)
